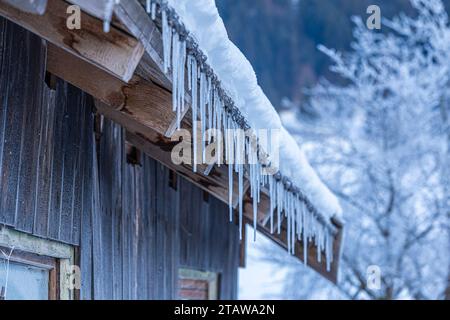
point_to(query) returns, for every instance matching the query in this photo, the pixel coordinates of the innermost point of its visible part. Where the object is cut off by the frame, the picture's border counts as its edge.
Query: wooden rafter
(138, 100)
(115, 52)
(133, 16)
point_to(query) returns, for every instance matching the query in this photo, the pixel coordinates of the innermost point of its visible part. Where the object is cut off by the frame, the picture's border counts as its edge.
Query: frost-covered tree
(382, 143)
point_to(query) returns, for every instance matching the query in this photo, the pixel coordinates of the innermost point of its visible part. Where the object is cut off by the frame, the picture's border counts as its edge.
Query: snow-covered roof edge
(194, 35)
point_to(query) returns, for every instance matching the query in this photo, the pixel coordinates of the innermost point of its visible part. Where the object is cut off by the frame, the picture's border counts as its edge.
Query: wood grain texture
(42, 144)
(132, 15)
(138, 101)
(115, 52)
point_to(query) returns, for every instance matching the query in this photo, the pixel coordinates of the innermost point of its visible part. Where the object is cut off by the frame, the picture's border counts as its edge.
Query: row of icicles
(209, 111)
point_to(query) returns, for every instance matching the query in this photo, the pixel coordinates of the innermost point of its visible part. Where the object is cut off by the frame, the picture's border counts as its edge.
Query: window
(198, 285)
(26, 276)
(32, 268)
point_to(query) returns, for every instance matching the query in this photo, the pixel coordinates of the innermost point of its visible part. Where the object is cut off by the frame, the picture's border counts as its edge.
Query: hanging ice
(167, 41)
(293, 213)
(193, 84)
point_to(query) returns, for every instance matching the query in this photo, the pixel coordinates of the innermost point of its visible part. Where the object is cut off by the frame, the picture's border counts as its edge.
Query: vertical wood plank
(20, 67)
(29, 152)
(71, 135)
(87, 214)
(44, 174)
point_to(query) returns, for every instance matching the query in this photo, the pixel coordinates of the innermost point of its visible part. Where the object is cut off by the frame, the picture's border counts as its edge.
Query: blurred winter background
(372, 111)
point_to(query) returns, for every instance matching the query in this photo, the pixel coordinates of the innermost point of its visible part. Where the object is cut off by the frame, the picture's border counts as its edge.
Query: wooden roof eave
(122, 70)
(131, 14)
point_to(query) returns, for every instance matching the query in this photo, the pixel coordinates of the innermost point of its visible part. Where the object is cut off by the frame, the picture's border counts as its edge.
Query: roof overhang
(123, 71)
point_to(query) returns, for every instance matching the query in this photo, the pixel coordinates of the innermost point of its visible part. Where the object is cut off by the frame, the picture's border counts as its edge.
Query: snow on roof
(236, 74)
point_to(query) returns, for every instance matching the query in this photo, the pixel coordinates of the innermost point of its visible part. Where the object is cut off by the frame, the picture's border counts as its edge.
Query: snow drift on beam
(226, 95)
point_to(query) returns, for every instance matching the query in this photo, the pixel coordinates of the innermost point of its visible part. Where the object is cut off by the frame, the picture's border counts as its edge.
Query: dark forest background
(280, 37)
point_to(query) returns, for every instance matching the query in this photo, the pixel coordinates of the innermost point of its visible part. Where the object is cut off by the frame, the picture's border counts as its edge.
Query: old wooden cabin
(91, 205)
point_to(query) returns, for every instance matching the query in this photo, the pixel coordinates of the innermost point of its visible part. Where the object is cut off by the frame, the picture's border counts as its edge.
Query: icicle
(209, 101)
(279, 205)
(292, 208)
(194, 93)
(258, 179)
(189, 67)
(175, 69)
(288, 213)
(240, 161)
(202, 112)
(221, 129)
(226, 125)
(318, 245)
(229, 155)
(305, 237)
(153, 9)
(272, 201)
(181, 77)
(299, 219)
(106, 26)
(230, 190)
(214, 112)
(237, 147)
(109, 10)
(254, 183)
(208, 108)
(167, 40)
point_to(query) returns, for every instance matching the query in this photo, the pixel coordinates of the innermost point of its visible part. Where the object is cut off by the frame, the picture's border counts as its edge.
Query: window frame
(43, 253)
(42, 262)
(212, 278)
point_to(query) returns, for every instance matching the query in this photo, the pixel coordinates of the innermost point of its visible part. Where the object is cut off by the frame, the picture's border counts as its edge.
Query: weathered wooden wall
(147, 224)
(134, 225)
(43, 134)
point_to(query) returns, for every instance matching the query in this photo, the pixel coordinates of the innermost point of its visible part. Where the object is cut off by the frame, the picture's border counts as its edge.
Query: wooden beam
(139, 100)
(281, 239)
(115, 52)
(132, 15)
(30, 6)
